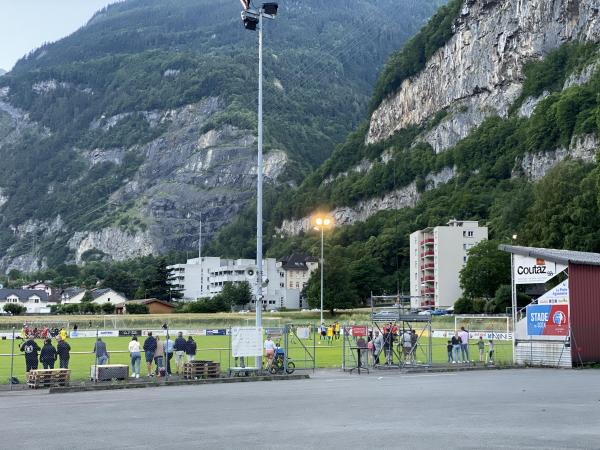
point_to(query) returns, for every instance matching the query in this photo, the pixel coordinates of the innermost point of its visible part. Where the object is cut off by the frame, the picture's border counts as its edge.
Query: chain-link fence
(103, 354)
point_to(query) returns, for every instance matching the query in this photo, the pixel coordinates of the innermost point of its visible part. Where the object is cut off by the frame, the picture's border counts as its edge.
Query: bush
(136, 308)
(108, 308)
(14, 309)
(463, 305)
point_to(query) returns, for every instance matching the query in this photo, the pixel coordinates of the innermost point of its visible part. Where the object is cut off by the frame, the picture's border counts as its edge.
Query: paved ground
(486, 409)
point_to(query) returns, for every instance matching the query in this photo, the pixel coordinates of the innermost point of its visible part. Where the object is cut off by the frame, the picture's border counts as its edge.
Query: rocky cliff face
(479, 72)
(185, 175)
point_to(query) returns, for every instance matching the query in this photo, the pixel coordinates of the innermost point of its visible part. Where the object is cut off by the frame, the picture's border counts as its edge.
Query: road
(485, 409)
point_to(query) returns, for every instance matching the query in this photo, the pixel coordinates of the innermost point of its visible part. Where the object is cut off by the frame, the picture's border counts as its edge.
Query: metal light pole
(253, 19)
(322, 260)
(322, 222)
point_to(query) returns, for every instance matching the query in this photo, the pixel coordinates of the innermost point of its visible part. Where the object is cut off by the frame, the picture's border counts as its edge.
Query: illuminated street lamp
(322, 222)
(253, 19)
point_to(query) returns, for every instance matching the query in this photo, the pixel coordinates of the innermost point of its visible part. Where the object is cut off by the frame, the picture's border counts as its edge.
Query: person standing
(159, 357)
(269, 347)
(30, 349)
(377, 346)
(406, 346)
(414, 342)
(455, 348)
(134, 352)
(169, 348)
(449, 350)
(75, 328)
(323, 331)
(388, 343)
(64, 353)
(149, 351)
(464, 344)
(48, 355)
(101, 353)
(330, 333)
(491, 351)
(336, 330)
(481, 347)
(180, 345)
(63, 333)
(190, 349)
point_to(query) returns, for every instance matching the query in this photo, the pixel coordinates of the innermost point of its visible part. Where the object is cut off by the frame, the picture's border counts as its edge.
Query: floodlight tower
(253, 18)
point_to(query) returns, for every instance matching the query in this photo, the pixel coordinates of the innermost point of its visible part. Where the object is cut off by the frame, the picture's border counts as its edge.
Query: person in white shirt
(134, 351)
(269, 346)
(464, 344)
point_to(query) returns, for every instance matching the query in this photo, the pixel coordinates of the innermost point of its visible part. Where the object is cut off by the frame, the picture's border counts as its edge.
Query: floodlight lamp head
(319, 221)
(270, 8)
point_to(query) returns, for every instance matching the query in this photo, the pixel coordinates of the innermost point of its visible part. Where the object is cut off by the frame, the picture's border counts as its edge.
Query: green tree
(156, 283)
(14, 309)
(339, 290)
(236, 294)
(108, 308)
(486, 269)
(87, 297)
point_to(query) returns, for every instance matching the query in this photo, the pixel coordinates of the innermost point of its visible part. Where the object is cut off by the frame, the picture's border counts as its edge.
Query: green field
(216, 348)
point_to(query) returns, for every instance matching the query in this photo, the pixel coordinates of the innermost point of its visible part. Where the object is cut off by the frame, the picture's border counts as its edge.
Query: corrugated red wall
(584, 293)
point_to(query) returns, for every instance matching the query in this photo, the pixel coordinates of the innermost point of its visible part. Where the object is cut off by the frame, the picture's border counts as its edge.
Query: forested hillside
(110, 137)
(527, 169)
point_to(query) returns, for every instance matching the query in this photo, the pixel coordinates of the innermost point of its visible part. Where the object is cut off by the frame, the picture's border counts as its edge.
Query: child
(491, 353)
(449, 348)
(481, 346)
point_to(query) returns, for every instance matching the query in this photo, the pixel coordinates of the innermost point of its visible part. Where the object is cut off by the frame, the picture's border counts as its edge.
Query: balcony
(428, 241)
(428, 253)
(428, 291)
(428, 278)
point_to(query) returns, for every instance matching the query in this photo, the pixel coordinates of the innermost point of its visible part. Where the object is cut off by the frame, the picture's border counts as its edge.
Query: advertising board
(548, 320)
(528, 270)
(557, 295)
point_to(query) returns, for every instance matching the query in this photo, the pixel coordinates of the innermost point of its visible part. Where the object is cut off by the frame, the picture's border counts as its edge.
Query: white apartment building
(437, 256)
(298, 269)
(205, 277)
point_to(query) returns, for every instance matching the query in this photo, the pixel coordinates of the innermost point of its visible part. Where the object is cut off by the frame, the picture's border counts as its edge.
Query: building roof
(147, 301)
(95, 293)
(296, 261)
(23, 294)
(559, 256)
(72, 292)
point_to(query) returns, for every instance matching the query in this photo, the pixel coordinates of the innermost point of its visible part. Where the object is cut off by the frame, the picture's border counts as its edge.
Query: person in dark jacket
(48, 355)
(190, 349)
(30, 349)
(180, 346)
(63, 349)
(149, 350)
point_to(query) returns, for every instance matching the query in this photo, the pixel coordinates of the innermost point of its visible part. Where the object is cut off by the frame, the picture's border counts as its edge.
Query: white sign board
(528, 270)
(303, 332)
(246, 341)
(556, 295)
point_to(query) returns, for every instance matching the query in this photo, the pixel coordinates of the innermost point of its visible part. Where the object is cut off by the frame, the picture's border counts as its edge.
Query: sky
(26, 24)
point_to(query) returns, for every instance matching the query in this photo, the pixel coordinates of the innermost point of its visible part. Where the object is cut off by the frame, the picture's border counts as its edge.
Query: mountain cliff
(116, 139)
(491, 113)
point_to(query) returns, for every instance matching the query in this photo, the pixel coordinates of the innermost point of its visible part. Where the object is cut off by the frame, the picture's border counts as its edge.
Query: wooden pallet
(201, 369)
(45, 378)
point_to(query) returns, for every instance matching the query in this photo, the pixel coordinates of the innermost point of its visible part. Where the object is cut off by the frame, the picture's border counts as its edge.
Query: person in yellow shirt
(63, 334)
(336, 330)
(330, 333)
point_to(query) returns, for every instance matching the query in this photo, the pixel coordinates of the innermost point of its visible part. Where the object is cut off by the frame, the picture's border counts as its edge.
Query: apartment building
(437, 256)
(205, 277)
(298, 269)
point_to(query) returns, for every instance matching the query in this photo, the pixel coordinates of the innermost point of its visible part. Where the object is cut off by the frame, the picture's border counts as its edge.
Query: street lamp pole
(322, 261)
(253, 19)
(259, 184)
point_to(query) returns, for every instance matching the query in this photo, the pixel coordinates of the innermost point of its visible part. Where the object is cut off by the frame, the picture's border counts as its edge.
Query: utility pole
(253, 19)
(200, 256)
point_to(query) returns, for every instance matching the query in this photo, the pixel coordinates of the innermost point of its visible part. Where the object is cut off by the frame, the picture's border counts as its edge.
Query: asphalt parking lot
(533, 408)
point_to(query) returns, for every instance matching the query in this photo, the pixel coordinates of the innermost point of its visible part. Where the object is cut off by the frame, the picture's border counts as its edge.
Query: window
(281, 284)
